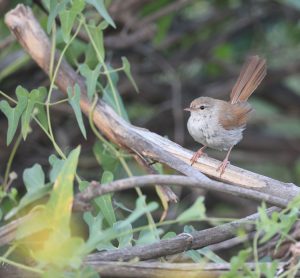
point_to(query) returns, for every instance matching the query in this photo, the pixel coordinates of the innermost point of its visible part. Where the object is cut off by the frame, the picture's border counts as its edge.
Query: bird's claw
(196, 156)
(223, 166)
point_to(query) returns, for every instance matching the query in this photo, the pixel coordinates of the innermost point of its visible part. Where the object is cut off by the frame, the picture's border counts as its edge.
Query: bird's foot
(197, 154)
(223, 166)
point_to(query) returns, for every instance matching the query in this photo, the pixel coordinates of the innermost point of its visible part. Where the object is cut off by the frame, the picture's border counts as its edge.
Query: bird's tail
(252, 73)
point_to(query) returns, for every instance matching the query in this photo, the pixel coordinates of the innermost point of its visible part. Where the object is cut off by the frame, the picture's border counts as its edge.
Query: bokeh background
(179, 50)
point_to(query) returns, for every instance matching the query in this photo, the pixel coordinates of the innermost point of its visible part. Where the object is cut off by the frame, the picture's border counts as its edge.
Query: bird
(219, 124)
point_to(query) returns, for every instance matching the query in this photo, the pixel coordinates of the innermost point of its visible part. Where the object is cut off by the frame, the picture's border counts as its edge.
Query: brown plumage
(234, 115)
(237, 110)
(252, 73)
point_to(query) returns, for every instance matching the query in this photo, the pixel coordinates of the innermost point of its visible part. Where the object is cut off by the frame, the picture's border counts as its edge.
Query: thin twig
(95, 189)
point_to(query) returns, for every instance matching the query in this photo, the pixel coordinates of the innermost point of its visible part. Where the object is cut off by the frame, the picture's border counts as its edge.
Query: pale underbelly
(216, 138)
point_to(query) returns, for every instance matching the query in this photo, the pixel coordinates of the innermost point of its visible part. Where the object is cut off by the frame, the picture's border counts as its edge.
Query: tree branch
(160, 269)
(96, 189)
(179, 243)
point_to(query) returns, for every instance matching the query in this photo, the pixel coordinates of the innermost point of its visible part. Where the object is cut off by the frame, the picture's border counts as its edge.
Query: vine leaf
(104, 157)
(91, 77)
(104, 203)
(13, 114)
(112, 97)
(195, 213)
(127, 70)
(54, 243)
(67, 18)
(34, 180)
(33, 98)
(56, 165)
(101, 9)
(54, 9)
(74, 100)
(97, 35)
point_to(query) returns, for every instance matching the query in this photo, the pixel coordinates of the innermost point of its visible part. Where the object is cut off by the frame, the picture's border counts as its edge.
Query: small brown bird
(219, 124)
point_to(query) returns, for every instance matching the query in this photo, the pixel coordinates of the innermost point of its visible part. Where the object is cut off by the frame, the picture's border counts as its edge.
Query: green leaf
(55, 215)
(97, 35)
(98, 238)
(29, 198)
(269, 270)
(74, 100)
(67, 19)
(127, 70)
(148, 236)
(125, 234)
(89, 56)
(60, 202)
(279, 222)
(104, 202)
(113, 98)
(194, 255)
(91, 77)
(104, 157)
(60, 252)
(140, 209)
(100, 7)
(38, 222)
(41, 111)
(35, 96)
(56, 165)
(83, 185)
(78, 6)
(237, 263)
(163, 25)
(54, 9)
(210, 255)
(189, 229)
(34, 177)
(13, 114)
(169, 235)
(195, 213)
(94, 223)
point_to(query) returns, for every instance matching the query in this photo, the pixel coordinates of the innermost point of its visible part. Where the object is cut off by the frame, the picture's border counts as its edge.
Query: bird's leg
(197, 154)
(224, 164)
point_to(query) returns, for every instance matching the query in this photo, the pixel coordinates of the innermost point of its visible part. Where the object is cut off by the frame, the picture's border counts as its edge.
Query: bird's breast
(205, 129)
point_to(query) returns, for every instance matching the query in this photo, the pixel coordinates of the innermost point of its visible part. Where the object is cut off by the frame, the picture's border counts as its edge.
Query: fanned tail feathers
(252, 73)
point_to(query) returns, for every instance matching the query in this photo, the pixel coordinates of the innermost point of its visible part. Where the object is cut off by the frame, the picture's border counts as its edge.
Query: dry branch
(179, 243)
(96, 189)
(31, 36)
(160, 270)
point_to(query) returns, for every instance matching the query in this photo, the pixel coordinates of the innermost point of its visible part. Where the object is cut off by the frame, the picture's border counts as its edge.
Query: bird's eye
(202, 107)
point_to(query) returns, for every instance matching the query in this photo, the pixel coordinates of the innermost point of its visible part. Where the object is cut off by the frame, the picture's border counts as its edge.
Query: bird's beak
(187, 109)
